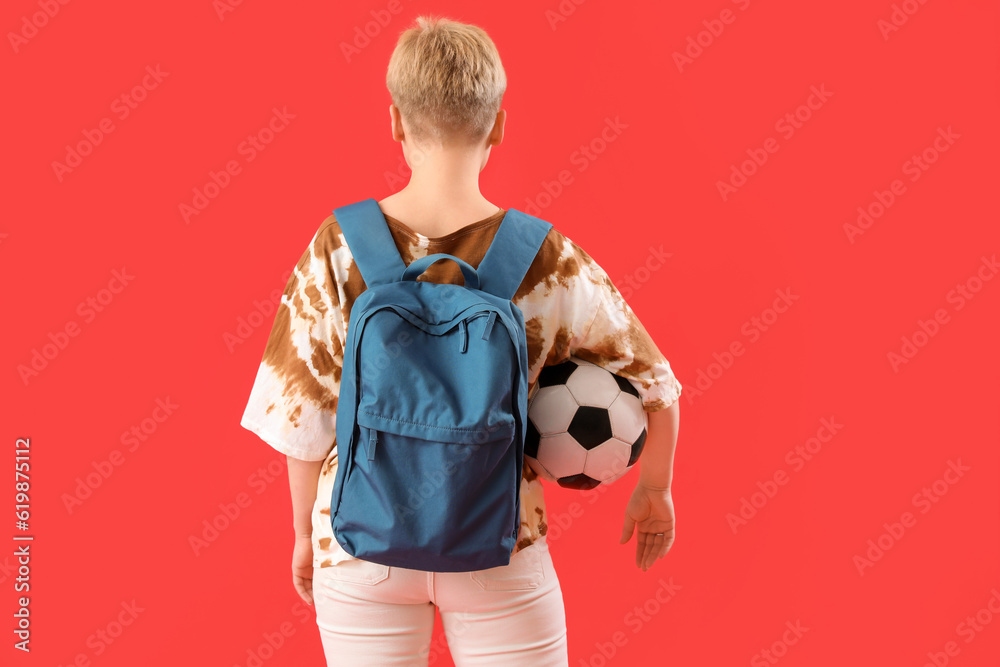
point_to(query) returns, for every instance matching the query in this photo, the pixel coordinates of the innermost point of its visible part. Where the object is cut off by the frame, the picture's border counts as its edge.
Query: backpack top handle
(418, 266)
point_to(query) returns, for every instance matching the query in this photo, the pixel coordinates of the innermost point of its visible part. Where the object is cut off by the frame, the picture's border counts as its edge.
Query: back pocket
(524, 572)
(355, 571)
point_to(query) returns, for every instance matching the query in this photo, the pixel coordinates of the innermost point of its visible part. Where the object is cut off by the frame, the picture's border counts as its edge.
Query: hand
(653, 511)
(302, 567)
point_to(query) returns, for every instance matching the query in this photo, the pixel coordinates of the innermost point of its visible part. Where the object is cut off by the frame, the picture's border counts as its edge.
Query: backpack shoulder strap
(511, 253)
(370, 242)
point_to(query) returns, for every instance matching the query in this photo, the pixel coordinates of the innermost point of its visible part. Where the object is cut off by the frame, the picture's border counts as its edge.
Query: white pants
(373, 614)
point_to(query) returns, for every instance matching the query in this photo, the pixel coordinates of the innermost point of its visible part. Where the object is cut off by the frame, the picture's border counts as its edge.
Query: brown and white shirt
(570, 307)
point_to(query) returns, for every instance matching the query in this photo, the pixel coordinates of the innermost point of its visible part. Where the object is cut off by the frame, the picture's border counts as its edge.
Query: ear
(496, 134)
(396, 123)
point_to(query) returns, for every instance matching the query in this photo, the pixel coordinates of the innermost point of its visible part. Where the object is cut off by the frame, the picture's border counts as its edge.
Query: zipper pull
(372, 440)
(465, 334)
(489, 325)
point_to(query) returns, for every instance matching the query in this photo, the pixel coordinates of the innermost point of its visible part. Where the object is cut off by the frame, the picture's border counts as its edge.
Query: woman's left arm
(303, 480)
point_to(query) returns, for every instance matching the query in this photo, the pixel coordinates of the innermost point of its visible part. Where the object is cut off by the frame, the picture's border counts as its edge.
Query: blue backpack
(432, 411)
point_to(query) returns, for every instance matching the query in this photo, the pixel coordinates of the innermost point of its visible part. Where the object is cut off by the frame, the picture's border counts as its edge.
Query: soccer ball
(586, 425)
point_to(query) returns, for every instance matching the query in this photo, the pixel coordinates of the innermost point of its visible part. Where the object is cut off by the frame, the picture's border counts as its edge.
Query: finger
(627, 530)
(652, 545)
(668, 543)
(642, 551)
(663, 549)
(655, 549)
(300, 587)
(309, 591)
(662, 546)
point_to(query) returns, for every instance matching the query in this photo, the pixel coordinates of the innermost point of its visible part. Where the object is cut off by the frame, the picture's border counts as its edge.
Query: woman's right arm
(656, 469)
(650, 509)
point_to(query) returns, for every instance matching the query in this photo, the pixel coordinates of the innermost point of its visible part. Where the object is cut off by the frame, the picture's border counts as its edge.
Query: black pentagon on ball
(637, 448)
(626, 386)
(590, 426)
(556, 374)
(579, 482)
(531, 440)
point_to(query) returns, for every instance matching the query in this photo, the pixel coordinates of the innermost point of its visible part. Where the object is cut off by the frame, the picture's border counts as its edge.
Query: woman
(447, 82)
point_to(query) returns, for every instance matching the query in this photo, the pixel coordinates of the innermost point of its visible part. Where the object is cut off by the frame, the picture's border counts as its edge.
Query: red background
(656, 185)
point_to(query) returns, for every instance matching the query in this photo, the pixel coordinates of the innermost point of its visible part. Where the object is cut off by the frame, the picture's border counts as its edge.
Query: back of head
(447, 80)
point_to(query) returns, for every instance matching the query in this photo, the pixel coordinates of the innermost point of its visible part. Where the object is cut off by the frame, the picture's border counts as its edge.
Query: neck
(442, 195)
(444, 180)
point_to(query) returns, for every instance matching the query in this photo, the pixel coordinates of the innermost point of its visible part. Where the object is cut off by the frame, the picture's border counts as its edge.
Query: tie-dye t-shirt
(570, 307)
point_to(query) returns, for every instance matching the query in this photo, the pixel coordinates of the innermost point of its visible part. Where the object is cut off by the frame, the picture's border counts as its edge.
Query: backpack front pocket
(425, 503)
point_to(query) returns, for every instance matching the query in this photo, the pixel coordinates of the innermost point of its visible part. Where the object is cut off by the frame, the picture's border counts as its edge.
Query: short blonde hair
(447, 80)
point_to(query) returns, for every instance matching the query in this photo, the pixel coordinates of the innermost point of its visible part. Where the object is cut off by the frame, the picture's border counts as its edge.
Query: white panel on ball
(594, 386)
(561, 455)
(607, 460)
(627, 418)
(552, 409)
(538, 468)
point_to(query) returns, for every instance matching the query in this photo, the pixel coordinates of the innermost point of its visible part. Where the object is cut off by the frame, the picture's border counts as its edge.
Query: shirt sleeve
(617, 341)
(293, 402)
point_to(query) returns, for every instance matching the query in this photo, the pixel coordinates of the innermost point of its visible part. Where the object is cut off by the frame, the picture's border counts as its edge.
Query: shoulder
(561, 263)
(327, 239)
(326, 256)
(328, 231)
(561, 253)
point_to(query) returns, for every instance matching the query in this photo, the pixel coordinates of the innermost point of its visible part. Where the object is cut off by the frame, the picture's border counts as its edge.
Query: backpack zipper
(464, 329)
(489, 324)
(372, 441)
